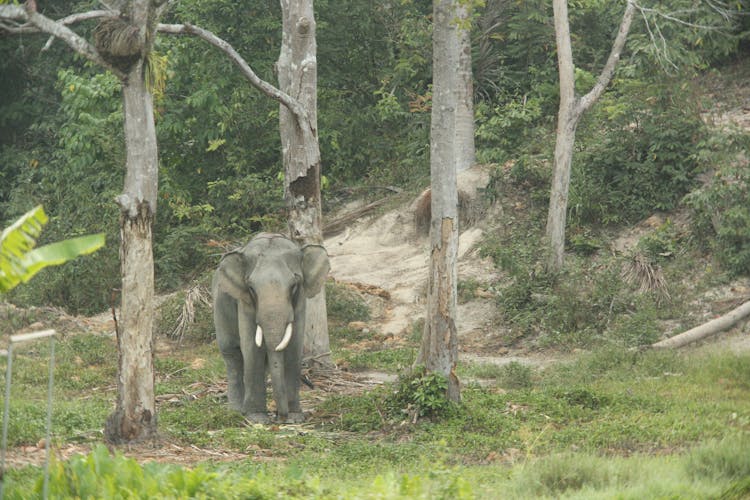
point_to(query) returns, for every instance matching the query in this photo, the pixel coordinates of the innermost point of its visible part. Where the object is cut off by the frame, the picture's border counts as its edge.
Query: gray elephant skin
(259, 293)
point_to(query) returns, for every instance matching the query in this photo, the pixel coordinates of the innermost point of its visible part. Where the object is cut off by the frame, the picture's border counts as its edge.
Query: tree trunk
(439, 348)
(465, 149)
(134, 418)
(298, 77)
(706, 329)
(569, 114)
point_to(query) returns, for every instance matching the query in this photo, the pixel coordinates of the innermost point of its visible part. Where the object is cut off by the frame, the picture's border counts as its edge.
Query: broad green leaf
(58, 253)
(19, 261)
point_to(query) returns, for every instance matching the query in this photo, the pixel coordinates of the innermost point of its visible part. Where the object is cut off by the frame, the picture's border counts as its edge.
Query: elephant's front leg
(254, 376)
(228, 339)
(293, 369)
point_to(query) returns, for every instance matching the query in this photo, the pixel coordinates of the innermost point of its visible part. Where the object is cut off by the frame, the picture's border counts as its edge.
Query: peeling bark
(134, 418)
(439, 347)
(298, 77)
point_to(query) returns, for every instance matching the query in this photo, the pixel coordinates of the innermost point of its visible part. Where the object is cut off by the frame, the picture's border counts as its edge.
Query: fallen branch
(706, 329)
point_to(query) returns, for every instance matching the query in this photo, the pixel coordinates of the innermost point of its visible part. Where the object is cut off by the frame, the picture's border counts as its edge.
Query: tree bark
(439, 347)
(569, 114)
(134, 418)
(706, 329)
(298, 77)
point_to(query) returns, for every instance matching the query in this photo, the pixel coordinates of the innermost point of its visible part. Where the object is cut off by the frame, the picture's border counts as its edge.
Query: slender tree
(122, 44)
(439, 348)
(569, 115)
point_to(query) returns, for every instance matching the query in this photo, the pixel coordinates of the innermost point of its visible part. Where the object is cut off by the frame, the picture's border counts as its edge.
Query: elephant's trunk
(278, 381)
(281, 345)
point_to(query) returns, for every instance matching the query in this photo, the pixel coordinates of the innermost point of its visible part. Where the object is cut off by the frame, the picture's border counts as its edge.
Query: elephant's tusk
(286, 339)
(258, 336)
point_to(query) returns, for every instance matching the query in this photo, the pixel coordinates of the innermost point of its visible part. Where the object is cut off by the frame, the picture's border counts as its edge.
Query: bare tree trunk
(298, 77)
(570, 112)
(439, 348)
(466, 151)
(134, 418)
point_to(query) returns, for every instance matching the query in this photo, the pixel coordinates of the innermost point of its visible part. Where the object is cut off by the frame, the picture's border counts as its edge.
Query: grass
(611, 423)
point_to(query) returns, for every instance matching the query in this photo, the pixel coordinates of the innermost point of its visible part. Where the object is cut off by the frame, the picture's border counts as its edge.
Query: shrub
(420, 394)
(639, 152)
(721, 214)
(345, 305)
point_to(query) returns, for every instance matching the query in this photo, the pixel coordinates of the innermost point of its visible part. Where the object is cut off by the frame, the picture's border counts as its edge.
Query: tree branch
(274, 93)
(614, 56)
(33, 21)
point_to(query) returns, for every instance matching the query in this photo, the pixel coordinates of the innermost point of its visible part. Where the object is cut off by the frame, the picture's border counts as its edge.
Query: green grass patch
(612, 423)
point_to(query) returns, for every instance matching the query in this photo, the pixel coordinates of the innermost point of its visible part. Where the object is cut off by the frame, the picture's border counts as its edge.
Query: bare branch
(661, 44)
(15, 13)
(614, 56)
(274, 93)
(675, 16)
(40, 23)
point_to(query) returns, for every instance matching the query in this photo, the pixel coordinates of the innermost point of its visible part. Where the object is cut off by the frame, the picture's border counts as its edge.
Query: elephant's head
(272, 275)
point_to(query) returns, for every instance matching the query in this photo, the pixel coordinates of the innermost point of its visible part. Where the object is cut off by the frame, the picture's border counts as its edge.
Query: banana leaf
(20, 261)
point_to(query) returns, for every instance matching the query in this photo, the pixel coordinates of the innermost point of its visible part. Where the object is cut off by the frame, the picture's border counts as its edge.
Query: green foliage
(638, 153)
(344, 305)
(506, 129)
(515, 375)
(420, 394)
(720, 207)
(82, 162)
(726, 458)
(103, 475)
(20, 261)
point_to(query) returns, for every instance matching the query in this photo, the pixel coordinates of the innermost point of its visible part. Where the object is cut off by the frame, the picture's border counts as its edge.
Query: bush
(345, 305)
(721, 214)
(639, 153)
(420, 394)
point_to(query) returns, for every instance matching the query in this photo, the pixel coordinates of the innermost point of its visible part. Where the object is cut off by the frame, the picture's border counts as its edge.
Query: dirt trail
(386, 251)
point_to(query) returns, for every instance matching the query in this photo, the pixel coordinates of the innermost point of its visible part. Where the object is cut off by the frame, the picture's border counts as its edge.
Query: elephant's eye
(253, 295)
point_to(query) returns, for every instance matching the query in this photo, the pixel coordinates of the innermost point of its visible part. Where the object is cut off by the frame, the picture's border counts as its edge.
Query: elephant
(259, 297)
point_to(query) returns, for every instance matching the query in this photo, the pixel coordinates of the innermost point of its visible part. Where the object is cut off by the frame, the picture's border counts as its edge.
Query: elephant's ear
(315, 267)
(230, 276)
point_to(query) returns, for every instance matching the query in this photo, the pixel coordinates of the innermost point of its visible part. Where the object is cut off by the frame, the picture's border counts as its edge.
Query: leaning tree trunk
(465, 148)
(298, 77)
(439, 348)
(569, 114)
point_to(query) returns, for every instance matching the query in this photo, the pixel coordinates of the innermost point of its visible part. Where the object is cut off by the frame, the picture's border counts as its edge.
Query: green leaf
(19, 261)
(61, 252)
(214, 144)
